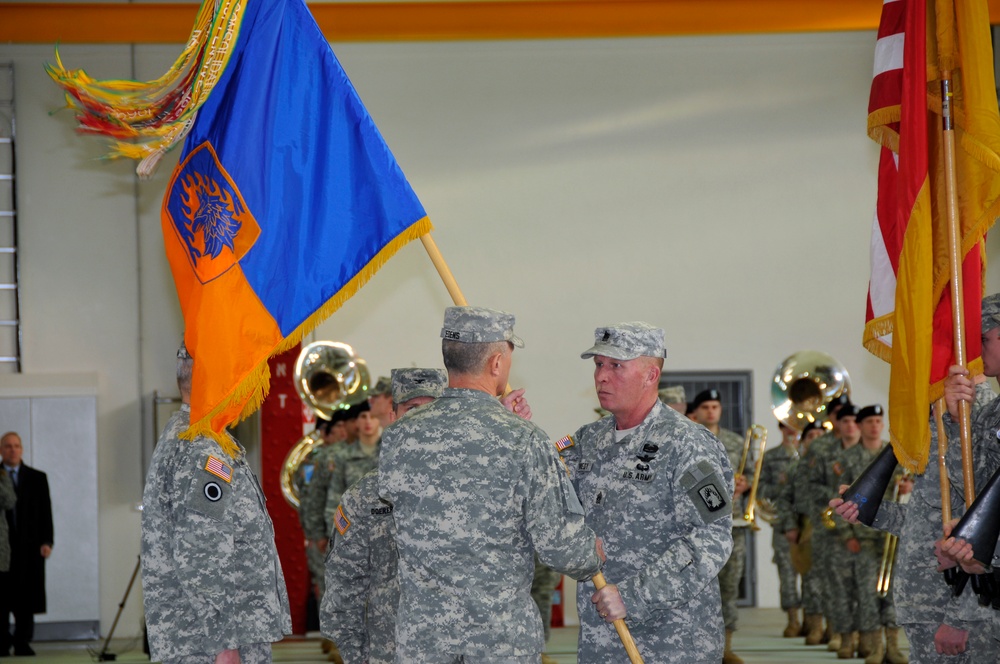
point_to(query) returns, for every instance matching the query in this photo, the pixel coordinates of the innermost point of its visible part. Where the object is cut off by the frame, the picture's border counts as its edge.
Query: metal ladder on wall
(10, 292)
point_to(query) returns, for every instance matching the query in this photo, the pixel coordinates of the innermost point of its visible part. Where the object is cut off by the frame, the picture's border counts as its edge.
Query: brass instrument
(755, 434)
(328, 375)
(803, 386)
(888, 553)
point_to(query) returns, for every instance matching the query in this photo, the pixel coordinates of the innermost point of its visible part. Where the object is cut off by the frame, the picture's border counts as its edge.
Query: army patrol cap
(991, 312)
(627, 341)
(412, 383)
(673, 394)
(706, 395)
(847, 410)
(815, 424)
(869, 411)
(479, 325)
(383, 386)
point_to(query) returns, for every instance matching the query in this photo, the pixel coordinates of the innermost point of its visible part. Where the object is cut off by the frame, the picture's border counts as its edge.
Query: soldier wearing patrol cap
(674, 397)
(213, 589)
(476, 491)
(708, 412)
(359, 612)
(380, 400)
(657, 490)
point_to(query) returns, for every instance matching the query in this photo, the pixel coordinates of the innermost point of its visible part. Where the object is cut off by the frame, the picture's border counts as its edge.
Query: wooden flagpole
(456, 295)
(957, 302)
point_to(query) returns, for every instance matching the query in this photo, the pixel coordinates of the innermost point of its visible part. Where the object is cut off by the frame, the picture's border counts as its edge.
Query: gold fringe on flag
(146, 119)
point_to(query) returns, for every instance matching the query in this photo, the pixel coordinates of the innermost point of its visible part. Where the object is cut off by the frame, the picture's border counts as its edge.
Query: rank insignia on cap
(341, 521)
(565, 443)
(221, 470)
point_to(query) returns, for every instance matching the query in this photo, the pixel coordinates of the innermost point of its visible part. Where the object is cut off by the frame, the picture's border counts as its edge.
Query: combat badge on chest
(642, 471)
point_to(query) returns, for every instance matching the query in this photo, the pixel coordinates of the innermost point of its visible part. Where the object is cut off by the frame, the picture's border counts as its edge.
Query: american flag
(564, 443)
(341, 521)
(215, 466)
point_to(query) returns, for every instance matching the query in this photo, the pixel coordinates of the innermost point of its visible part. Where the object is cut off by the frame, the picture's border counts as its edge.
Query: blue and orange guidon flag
(285, 201)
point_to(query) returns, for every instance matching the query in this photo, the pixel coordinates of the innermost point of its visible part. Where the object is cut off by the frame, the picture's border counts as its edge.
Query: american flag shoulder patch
(217, 467)
(565, 443)
(341, 521)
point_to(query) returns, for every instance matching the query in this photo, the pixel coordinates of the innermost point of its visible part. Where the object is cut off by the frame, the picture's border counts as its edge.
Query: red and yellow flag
(909, 319)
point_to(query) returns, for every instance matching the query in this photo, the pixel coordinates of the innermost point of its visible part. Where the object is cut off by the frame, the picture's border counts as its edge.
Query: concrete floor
(758, 642)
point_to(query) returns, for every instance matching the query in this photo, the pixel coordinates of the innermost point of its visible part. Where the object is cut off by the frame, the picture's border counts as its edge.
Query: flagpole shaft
(942, 451)
(442, 267)
(623, 632)
(957, 301)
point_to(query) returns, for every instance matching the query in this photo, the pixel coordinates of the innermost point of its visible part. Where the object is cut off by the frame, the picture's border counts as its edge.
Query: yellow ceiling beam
(117, 23)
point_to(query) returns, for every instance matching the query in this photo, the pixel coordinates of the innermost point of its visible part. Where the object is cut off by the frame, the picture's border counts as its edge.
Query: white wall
(720, 187)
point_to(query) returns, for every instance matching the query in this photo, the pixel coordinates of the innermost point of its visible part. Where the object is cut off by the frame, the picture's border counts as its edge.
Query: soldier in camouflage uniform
(8, 498)
(212, 584)
(811, 501)
(352, 461)
(380, 400)
(675, 397)
(826, 477)
(774, 483)
(797, 530)
(708, 412)
(657, 489)
(941, 628)
(359, 612)
(873, 612)
(332, 432)
(476, 490)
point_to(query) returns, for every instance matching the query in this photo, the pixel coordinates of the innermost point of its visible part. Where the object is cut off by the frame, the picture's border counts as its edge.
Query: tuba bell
(328, 376)
(803, 386)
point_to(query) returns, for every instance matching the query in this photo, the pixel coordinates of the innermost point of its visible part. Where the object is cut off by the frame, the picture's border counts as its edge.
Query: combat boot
(326, 644)
(847, 647)
(862, 645)
(729, 657)
(814, 629)
(794, 626)
(334, 655)
(827, 634)
(893, 655)
(872, 642)
(548, 660)
(833, 645)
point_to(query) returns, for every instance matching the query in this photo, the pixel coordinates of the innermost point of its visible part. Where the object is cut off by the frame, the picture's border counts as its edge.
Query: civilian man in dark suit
(22, 589)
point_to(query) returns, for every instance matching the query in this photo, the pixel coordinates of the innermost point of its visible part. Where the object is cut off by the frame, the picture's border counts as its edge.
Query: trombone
(888, 552)
(755, 434)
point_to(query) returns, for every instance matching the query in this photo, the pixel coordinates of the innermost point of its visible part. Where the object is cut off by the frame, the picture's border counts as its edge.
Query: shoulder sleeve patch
(707, 491)
(340, 520)
(208, 496)
(565, 443)
(219, 468)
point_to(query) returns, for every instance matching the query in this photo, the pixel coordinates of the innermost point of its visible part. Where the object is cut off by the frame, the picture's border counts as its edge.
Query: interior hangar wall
(720, 187)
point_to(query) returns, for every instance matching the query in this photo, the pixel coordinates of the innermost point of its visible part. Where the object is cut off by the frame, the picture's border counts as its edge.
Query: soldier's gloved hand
(950, 640)
(228, 657)
(515, 402)
(608, 603)
(846, 509)
(853, 545)
(958, 387)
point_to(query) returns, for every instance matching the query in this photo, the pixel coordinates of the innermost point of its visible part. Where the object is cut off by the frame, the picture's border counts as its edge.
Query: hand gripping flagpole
(456, 295)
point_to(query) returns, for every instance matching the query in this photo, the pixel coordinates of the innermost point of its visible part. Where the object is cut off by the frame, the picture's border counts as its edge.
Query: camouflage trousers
(825, 561)
(859, 576)
(788, 578)
(729, 579)
(255, 653)
(543, 586)
(812, 591)
(316, 562)
(981, 648)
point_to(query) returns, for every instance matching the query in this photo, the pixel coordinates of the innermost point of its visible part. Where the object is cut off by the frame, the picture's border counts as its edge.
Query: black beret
(847, 410)
(869, 411)
(706, 395)
(812, 425)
